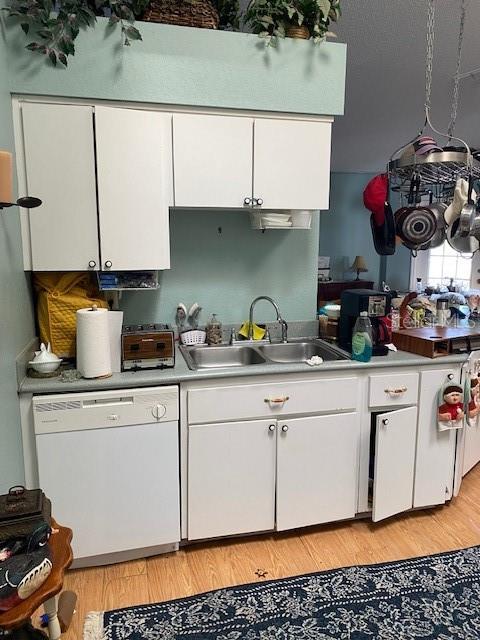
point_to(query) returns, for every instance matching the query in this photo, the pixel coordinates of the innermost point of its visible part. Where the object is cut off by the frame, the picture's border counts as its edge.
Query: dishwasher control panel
(103, 409)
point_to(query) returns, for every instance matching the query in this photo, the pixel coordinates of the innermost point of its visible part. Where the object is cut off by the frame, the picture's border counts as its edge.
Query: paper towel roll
(93, 343)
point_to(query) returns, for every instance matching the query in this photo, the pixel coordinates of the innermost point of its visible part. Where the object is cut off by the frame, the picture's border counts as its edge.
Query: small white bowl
(45, 367)
(333, 311)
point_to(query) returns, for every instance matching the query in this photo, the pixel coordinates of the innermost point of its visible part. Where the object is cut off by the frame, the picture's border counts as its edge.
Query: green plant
(229, 12)
(271, 18)
(55, 26)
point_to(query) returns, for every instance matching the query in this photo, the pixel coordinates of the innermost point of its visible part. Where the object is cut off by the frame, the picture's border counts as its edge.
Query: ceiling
(386, 78)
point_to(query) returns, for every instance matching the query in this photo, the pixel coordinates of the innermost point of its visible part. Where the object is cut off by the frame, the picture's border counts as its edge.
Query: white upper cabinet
(134, 151)
(292, 164)
(230, 162)
(60, 170)
(213, 160)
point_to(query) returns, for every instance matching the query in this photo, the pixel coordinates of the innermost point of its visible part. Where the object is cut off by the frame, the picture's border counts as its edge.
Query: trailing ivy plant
(271, 18)
(55, 25)
(229, 12)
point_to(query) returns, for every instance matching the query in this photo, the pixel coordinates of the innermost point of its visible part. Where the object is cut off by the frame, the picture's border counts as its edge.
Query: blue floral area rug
(432, 597)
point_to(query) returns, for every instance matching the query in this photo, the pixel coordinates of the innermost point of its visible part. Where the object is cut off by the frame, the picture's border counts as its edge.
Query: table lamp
(359, 265)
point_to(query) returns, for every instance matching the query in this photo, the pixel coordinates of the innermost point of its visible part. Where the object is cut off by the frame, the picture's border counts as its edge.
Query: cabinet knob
(271, 427)
(92, 264)
(385, 421)
(247, 202)
(159, 410)
(285, 428)
(450, 376)
(259, 202)
(108, 264)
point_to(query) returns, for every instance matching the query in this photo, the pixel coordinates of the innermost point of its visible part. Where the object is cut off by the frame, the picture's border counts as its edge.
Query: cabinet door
(317, 464)
(213, 158)
(134, 168)
(292, 164)
(60, 170)
(394, 462)
(471, 446)
(231, 478)
(435, 458)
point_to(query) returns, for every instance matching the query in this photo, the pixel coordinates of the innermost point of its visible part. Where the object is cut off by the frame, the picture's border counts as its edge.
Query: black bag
(22, 511)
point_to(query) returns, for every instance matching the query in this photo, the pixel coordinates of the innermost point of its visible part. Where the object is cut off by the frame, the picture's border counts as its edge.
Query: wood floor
(202, 567)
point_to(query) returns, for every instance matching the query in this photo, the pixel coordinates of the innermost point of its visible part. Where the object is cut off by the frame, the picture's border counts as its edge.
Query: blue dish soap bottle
(362, 338)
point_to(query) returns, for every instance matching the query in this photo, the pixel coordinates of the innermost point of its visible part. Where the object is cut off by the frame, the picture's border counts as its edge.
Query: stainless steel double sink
(239, 355)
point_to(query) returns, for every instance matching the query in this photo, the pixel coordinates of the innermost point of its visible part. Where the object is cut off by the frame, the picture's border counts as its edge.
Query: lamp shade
(359, 264)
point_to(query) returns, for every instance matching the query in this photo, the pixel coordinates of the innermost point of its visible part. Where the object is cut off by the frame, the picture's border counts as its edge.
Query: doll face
(454, 397)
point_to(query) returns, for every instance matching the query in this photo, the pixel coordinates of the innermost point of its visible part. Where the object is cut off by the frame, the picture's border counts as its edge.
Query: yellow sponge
(258, 332)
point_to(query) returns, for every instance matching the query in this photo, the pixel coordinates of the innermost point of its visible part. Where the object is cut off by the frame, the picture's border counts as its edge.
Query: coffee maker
(378, 305)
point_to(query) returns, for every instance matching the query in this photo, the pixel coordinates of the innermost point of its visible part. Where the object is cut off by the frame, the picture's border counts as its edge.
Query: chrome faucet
(282, 322)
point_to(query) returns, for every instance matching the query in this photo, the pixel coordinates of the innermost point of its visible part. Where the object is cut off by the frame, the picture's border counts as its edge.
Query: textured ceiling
(386, 77)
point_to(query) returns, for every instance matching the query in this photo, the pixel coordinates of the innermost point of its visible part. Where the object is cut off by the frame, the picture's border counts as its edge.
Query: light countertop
(181, 373)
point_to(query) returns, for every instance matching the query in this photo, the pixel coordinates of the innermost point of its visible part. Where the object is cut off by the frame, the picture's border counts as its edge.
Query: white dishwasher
(109, 461)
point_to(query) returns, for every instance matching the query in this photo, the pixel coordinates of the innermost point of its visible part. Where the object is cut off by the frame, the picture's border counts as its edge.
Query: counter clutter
(242, 436)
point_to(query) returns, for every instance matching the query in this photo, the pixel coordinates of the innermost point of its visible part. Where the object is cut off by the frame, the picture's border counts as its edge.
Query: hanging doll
(450, 412)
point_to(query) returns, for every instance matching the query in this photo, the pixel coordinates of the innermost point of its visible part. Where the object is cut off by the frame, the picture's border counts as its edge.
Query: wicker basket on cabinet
(185, 13)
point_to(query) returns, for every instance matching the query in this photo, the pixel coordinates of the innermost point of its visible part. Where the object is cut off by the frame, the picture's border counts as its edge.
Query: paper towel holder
(27, 202)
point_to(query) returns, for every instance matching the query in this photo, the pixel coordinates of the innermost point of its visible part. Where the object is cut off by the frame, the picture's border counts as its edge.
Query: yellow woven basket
(60, 295)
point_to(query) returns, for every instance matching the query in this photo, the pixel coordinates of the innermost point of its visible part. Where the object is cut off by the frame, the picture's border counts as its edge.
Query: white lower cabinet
(394, 462)
(231, 478)
(234, 469)
(435, 457)
(471, 447)
(308, 451)
(316, 470)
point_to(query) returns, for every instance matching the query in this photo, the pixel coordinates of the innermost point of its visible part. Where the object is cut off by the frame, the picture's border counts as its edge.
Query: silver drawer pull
(280, 400)
(396, 392)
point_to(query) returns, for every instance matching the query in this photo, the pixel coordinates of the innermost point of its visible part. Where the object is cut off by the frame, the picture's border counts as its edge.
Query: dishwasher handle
(108, 402)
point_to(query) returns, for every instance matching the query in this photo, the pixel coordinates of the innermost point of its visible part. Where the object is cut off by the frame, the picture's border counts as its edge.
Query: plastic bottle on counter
(214, 330)
(362, 338)
(419, 287)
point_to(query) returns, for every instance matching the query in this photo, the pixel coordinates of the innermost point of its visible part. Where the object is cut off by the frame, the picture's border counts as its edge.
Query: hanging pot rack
(436, 168)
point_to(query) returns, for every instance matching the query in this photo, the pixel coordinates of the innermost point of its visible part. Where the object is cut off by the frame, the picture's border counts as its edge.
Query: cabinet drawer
(396, 389)
(265, 400)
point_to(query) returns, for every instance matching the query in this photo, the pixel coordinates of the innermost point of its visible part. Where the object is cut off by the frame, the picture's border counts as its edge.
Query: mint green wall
(16, 324)
(184, 66)
(345, 233)
(223, 272)
(345, 229)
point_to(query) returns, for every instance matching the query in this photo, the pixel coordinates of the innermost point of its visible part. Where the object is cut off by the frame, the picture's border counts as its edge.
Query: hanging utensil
(462, 244)
(415, 225)
(468, 212)
(438, 209)
(475, 230)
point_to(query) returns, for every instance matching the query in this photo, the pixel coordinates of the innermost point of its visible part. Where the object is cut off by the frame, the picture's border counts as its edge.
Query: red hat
(375, 196)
